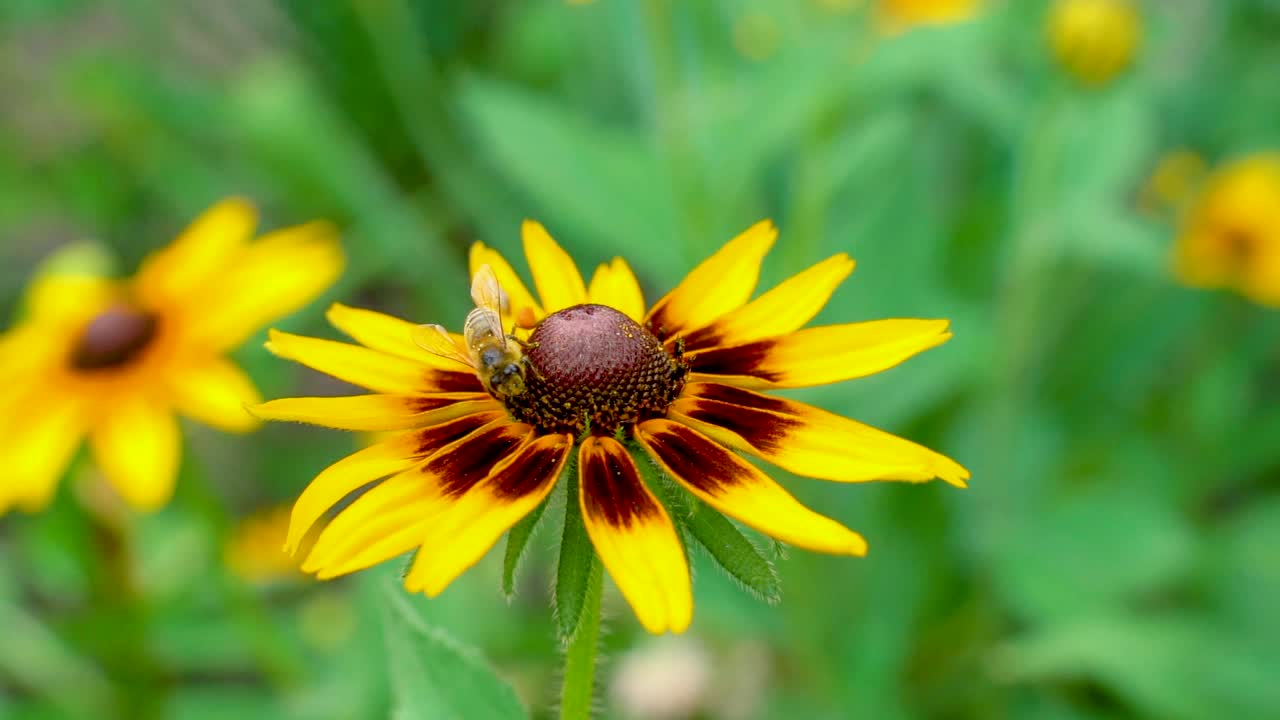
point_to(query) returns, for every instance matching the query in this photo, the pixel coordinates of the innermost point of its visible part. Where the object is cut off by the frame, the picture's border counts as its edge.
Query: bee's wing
(437, 341)
(482, 324)
(487, 294)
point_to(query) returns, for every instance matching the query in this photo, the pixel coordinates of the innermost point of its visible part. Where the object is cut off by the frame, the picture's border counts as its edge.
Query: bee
(497, 358)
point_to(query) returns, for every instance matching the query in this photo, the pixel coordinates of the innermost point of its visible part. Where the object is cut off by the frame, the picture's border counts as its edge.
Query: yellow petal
(806, 440)
(614, 284)
(819, 355)
(722, 283)
(634, 537)
(346, 476)
(373, 527)
(453, 455)
(357, 365)
(215, 392)
(521, 307)
(55, 299)
(376, 412)
(463, 532)
(1260, 281)
(1200, 260)
(554, 273)
(394, 336)
(738, 489)
(273, 277)
(199, 255)
(36, 449)
(786, 308)
(137, 445)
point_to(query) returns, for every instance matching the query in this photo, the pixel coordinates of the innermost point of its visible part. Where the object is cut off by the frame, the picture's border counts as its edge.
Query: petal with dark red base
(394, 336)
(467, 527)
(818, 355)
(720, 284)
(376, 412)
(393, 517)
(806, 440)
(369, 369)
(740, 490)
(634, 537)
(785, 308)
(387, 458)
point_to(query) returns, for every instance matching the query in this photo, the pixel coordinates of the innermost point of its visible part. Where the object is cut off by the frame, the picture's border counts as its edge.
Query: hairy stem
(580, 657)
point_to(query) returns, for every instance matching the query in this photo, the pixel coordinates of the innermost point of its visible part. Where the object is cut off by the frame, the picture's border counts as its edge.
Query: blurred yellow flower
(902, 15)
(254, 552)
(114, 360)
(1231, 236)
(1094, 40)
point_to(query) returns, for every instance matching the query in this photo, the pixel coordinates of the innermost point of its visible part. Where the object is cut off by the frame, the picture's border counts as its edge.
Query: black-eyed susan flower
(114, 360)
(603, 380)
(1094, 40)
(901, 15)
(1230, 237)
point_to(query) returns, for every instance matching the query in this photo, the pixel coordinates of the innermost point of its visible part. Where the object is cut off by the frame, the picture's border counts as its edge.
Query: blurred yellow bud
(756, 36)
(1231, 236)
(255, 553)
(1094, 40)
(901, 15)
(839, 6)
(1173, 180)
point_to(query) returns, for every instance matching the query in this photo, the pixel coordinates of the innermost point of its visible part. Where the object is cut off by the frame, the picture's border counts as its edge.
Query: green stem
(580, 657)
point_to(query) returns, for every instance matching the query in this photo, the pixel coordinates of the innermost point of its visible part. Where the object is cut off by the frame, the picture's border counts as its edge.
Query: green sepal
(725, 543)
(577, 557)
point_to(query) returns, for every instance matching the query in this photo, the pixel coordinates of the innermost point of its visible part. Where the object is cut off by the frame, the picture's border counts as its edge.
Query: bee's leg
(524, 361)
(524, 344)
(680, 368)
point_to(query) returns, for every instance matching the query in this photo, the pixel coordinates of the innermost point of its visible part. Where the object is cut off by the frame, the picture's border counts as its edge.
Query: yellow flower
(901, 15)
(601, 378)
(1231, 236)
(114, 359)
(1094, 40)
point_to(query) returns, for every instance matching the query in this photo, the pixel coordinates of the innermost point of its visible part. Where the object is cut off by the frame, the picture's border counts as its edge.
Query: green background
(1118, 553)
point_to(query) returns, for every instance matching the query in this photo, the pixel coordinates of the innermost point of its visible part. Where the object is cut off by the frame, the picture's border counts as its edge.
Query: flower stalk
(580, 656)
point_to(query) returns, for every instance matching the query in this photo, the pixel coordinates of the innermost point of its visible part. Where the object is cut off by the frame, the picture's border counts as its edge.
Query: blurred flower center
(592, 367)
(113, 338)
(1237, 244)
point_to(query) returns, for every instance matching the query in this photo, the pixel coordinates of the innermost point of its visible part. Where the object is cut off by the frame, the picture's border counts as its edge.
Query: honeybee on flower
(494, 355)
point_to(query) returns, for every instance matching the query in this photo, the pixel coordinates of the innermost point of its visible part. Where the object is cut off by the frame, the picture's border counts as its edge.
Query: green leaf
(435, 677)
(590, 180)
(1165, 665)
(517, 540)
(1093, 552)
(731, 549)
(577, 556)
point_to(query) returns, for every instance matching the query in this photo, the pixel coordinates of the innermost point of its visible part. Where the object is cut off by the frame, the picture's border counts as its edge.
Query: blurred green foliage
(1116, 556)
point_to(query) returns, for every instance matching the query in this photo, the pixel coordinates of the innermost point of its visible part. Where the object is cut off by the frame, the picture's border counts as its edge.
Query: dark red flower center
(591, 367)
(113, 338)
